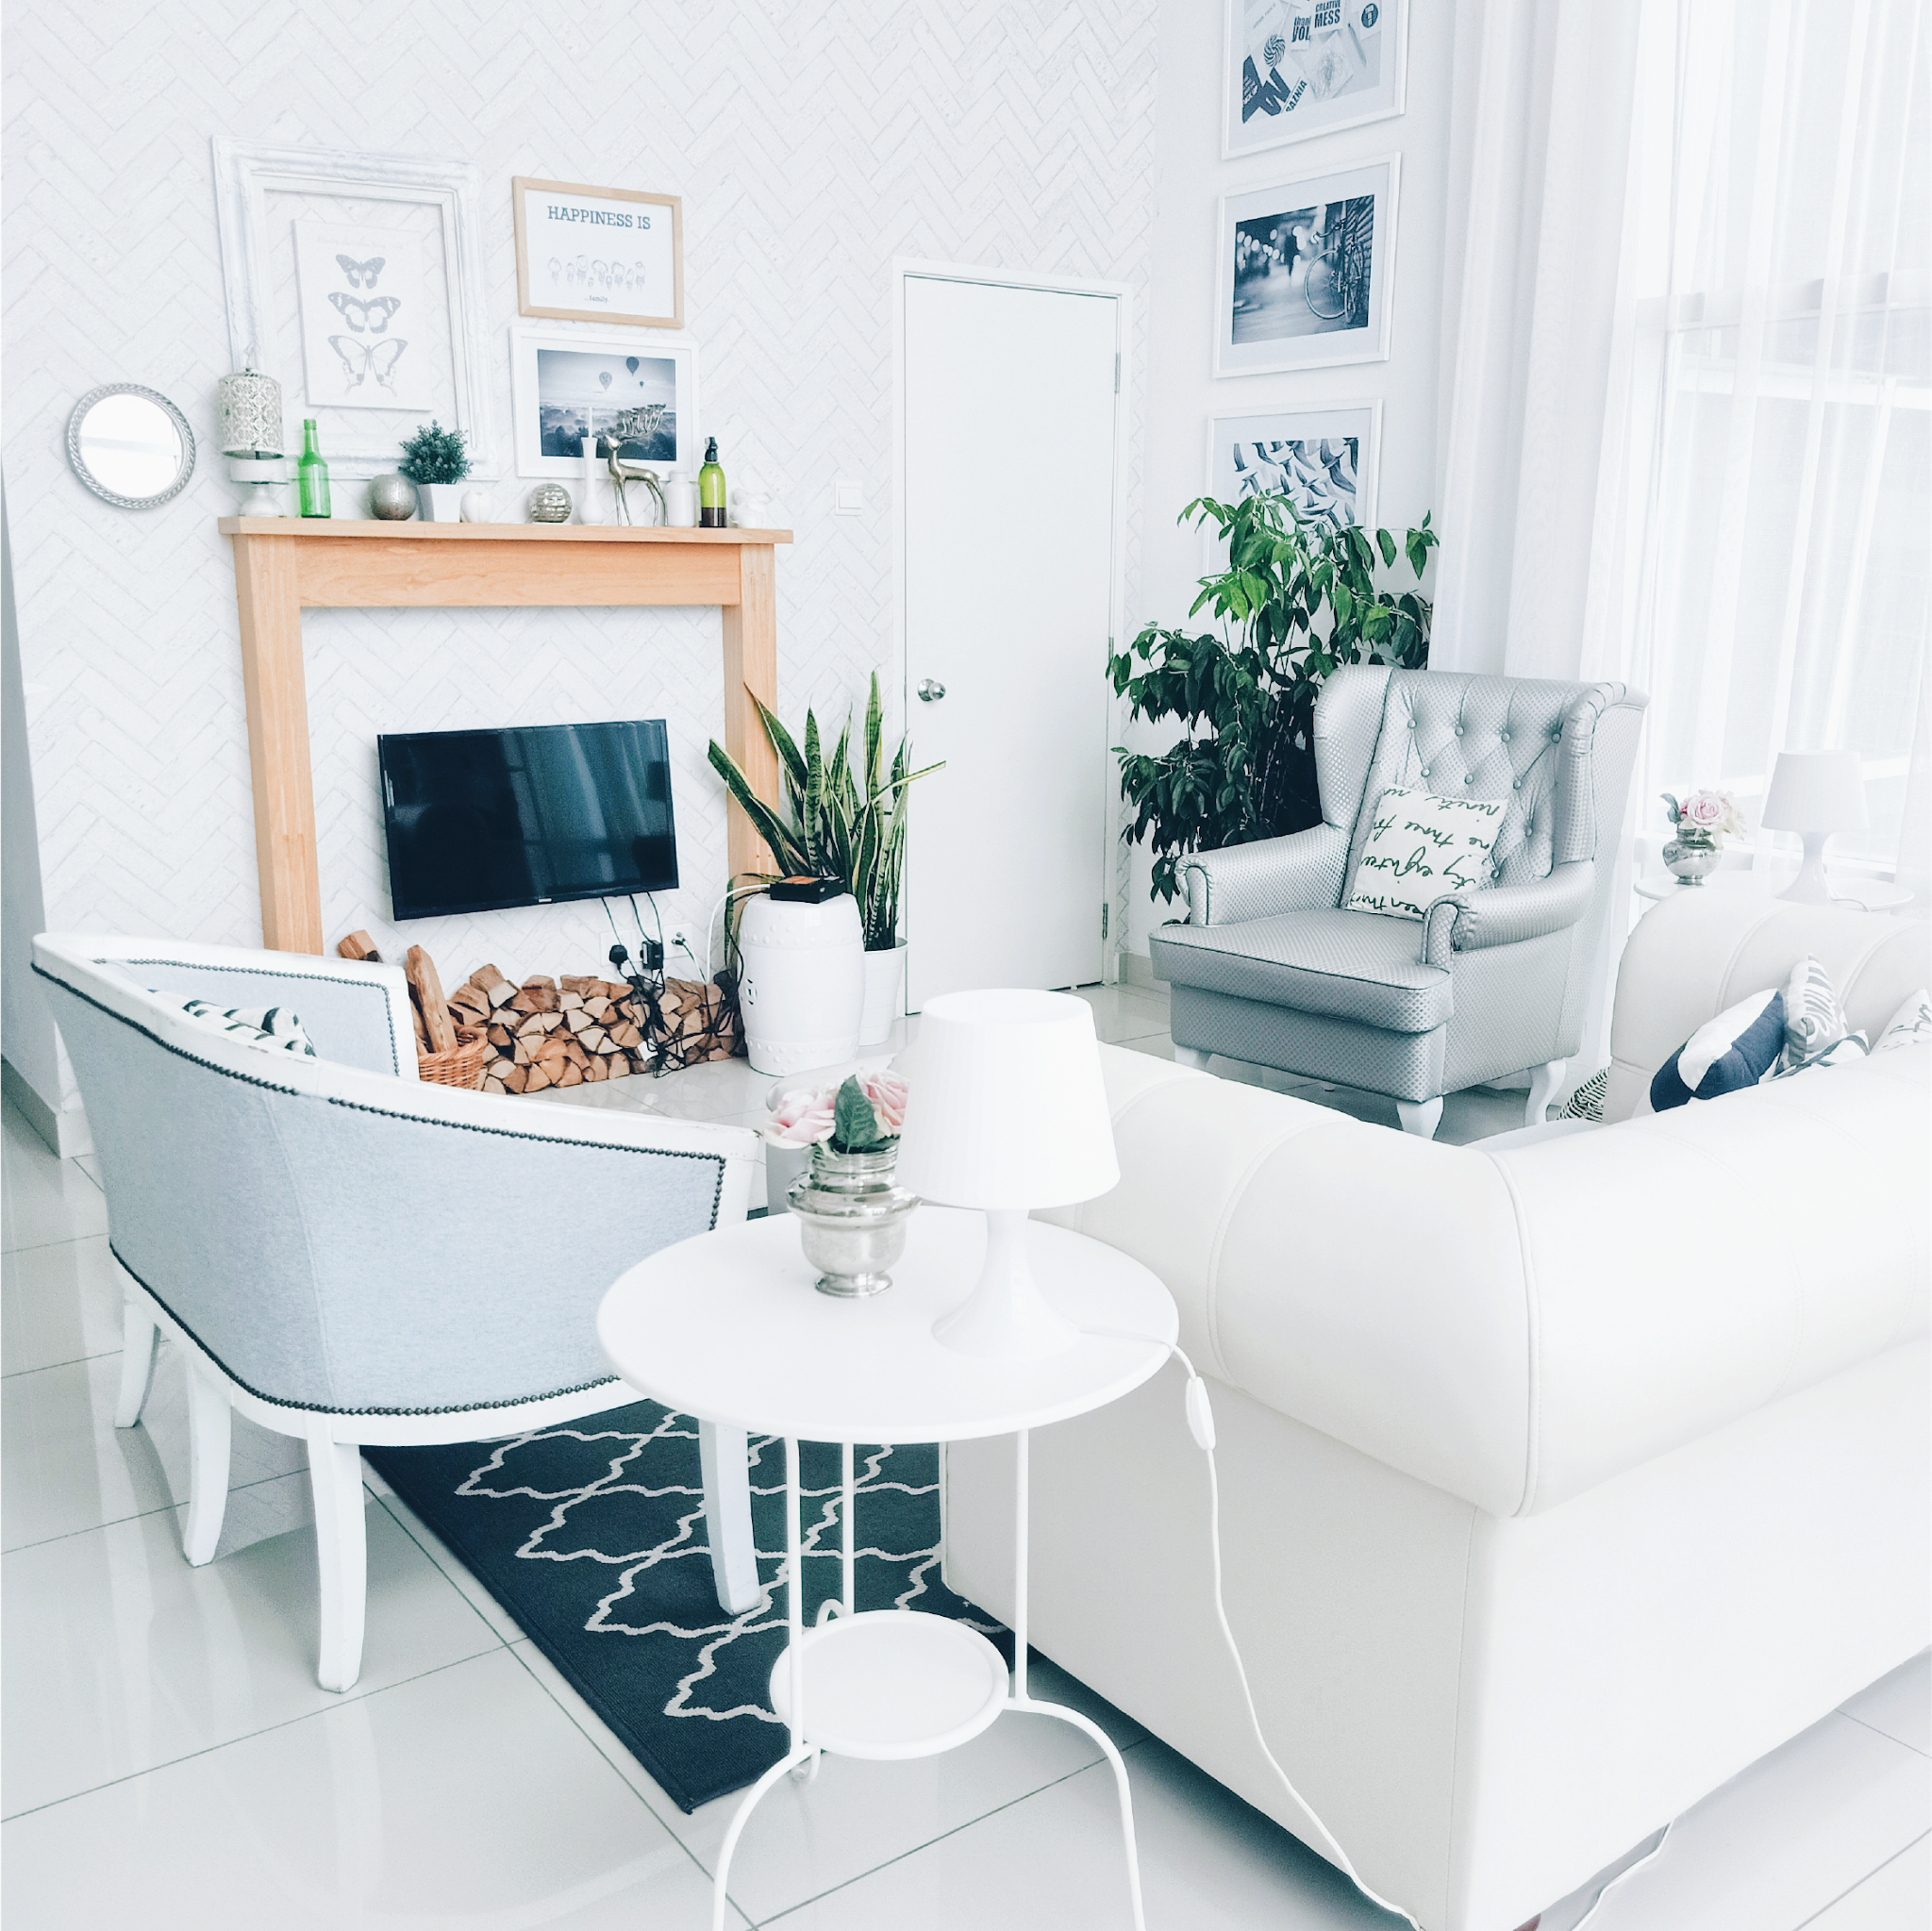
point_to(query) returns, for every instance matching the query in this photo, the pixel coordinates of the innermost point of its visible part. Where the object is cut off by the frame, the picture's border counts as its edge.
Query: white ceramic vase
(803, 987)
(884, 994)
(440, 502)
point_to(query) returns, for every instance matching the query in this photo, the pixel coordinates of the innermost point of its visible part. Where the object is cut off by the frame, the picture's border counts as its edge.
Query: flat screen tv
(481, 820)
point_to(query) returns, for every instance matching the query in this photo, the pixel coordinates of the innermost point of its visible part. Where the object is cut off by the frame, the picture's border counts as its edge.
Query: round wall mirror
(130, 446)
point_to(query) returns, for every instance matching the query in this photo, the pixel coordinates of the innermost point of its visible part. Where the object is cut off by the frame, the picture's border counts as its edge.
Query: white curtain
(1541, 129)
(1763, 555)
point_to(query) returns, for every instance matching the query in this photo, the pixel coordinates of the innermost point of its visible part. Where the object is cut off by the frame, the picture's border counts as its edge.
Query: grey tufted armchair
(1269, 968)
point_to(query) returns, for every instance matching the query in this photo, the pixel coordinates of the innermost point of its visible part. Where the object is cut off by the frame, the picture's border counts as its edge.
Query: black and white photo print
(1322, 460)
(1306, 269)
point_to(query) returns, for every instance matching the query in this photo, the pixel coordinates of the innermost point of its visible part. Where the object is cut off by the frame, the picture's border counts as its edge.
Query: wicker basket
(462, 1067)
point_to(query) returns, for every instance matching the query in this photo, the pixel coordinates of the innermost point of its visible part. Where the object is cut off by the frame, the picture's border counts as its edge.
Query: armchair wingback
(1271, 969)
(346, 1253)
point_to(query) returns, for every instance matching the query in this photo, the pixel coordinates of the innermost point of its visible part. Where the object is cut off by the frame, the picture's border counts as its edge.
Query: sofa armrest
(1508, 914)
(1273, 875)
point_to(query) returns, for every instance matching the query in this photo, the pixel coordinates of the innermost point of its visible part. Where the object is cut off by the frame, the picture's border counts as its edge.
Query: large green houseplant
(837, 824)
(1296, 600)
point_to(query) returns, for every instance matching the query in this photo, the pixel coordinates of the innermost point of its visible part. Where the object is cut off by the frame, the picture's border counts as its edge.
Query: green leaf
(854, 1121)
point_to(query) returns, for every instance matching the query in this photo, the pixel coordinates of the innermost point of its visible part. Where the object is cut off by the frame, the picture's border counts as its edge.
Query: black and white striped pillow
(274, 1029)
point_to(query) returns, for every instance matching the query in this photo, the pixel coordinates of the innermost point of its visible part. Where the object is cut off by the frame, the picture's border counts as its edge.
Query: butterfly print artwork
(361, 360)
(361, 274)
(365, 318)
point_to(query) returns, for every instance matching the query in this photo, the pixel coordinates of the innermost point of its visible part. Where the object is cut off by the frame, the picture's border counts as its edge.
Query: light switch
(848, 499)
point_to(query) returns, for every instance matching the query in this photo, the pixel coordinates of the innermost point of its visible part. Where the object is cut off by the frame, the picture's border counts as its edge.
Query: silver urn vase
(1690, 862)
(852, 1214)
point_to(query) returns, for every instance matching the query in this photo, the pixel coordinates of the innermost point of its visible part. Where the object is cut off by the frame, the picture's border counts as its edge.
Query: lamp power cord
(1200, 1416)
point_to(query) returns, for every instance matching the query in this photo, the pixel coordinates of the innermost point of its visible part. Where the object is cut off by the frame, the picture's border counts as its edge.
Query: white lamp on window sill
(1007, 1111)
(1814, 794)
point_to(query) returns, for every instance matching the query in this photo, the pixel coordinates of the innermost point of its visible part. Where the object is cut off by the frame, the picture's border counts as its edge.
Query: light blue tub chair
(350, 1256)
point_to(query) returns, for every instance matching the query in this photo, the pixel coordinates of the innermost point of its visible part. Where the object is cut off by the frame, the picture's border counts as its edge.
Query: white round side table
(728, 1327)
(1855, 894)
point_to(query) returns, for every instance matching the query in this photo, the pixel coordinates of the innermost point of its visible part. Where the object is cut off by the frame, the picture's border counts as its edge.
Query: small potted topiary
(435, 461)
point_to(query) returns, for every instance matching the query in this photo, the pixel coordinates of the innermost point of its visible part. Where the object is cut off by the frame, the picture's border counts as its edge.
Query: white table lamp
(1814, 794)
(1006, 1112)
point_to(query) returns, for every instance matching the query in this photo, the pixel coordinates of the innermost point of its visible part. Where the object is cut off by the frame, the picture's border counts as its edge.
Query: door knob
(930, 691)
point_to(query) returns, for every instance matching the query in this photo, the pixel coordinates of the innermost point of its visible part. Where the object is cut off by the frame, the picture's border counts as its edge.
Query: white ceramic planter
(803, 987)
(440, 502)
(885, 995)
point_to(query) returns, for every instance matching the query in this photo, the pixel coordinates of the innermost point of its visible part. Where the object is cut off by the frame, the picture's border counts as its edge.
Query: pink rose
(801, 1119)
(888, 1097)
(1705, 809)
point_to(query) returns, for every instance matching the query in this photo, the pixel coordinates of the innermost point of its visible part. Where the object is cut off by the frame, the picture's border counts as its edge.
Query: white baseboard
(1137, 969)
(64, 1129)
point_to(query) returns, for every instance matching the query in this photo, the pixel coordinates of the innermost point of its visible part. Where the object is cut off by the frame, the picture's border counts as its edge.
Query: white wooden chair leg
(1420, 1117)
(138, 1339)
(341, 1556)
(210, 1424)
(724, 1460)
(1191, 1056)
(1543, 1082)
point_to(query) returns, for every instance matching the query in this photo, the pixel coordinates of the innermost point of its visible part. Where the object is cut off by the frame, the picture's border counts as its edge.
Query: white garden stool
(727, 1328)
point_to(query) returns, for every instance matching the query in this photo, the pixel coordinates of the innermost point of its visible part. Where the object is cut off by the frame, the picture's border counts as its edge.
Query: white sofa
(1559, 1481)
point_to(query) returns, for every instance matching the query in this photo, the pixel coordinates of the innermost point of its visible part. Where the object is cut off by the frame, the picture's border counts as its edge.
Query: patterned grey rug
(591, 1536)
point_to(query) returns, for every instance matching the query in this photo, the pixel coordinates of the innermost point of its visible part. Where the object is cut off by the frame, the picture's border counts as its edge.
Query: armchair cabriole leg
(1420, 1117)
(138, 1339)
(1191, 1056)
(723, 1458)
(341, 1553)
(210, 1422)
(1543, 1082)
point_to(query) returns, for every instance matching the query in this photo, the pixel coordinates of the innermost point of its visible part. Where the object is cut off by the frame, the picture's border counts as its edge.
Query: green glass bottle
(311, 473)
(711, 490)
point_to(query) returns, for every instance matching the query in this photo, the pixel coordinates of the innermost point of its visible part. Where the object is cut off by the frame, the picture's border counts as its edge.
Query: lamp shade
(1006, 1107)
(1815, 791)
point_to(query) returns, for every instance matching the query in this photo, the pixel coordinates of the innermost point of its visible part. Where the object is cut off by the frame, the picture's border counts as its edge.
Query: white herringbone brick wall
(811, 145)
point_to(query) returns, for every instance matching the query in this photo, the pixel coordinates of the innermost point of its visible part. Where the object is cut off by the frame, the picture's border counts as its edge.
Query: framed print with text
(1307, 272)
(599, 254)
(1296, 68)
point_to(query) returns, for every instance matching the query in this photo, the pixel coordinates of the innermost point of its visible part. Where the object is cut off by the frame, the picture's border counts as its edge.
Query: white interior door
(1007, 524)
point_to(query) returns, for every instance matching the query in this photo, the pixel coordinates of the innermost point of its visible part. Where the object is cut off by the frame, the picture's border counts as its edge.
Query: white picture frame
(1317, 474)
(262, 298)
(1306, 271)
(1330, 76)
(540, 384)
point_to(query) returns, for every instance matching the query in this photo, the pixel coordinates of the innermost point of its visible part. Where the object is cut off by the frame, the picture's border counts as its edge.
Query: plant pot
(783, 1165)
(884, 994)
(1690, 862)
(854, 1214)
(803, 985)
(440, 501)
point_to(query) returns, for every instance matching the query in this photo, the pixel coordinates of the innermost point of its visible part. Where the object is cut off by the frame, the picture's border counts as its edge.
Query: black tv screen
(480, 820)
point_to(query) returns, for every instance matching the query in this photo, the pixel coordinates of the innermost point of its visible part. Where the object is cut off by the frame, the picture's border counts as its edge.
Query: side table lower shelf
(895, 1684)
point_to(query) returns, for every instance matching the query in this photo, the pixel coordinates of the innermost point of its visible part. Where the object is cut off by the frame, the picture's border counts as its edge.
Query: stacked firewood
(549, 1032)
(561, 1032)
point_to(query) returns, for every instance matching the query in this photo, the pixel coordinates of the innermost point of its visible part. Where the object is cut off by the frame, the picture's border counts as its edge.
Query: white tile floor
(168, 1760)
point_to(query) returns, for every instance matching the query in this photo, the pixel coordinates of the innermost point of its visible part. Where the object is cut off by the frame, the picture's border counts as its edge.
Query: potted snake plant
(845, 824)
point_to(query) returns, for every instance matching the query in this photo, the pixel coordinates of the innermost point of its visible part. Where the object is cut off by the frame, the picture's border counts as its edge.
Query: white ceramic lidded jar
(803, 983)
(681, 501)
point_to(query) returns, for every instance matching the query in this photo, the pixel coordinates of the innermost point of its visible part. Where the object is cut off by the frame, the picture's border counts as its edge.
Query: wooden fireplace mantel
(284, 565)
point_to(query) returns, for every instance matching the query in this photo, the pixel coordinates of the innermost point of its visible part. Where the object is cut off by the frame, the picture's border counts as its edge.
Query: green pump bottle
(711, 490)
(311, 473)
